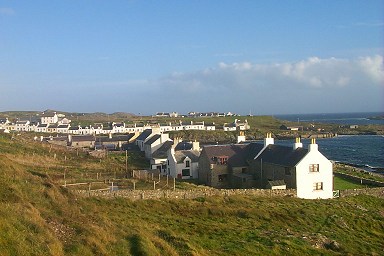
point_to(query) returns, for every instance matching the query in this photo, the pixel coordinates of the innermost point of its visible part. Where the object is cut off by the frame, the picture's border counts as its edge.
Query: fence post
(174, 183)
(154, 185)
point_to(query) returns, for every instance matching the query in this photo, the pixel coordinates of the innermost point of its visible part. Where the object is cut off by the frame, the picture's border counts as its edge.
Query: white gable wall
(305, 180)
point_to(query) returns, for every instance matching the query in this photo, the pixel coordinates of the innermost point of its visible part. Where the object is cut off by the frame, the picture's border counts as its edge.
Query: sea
(365, 151)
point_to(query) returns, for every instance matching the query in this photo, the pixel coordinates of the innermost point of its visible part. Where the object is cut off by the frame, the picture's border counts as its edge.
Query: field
(39, 217)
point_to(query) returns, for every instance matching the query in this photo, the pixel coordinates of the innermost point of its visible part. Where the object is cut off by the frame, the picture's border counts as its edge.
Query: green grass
(341, 184)
(358, 172)
(38, 217)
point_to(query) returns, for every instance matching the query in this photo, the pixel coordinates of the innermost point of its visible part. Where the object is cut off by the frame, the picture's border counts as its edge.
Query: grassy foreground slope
(38, 217)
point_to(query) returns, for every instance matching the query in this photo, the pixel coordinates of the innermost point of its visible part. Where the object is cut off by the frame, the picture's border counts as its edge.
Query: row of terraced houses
(57, 123)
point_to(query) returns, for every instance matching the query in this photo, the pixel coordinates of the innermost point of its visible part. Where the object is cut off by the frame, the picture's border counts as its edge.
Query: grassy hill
(39, 217)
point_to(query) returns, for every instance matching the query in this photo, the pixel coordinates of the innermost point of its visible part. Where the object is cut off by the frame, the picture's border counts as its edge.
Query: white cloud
(6, 11)
(336, 83)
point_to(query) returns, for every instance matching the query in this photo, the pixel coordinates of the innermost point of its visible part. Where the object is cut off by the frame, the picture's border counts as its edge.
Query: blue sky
(264, 57)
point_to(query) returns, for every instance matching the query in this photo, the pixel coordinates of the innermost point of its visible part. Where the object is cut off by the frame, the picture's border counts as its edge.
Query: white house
(42, 128)
(49, 118)
(22, 126)
(314, 175)
(183, 160)
(63, 128)
(306, 170)
(154, 143)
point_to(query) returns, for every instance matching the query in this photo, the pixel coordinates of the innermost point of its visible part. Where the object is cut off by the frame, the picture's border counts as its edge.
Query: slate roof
(123, 138)
(184, 145)
(282, 155)
(161, 152)
(152, 139)
(254, 149)
(83, 138)
(22, 122)
(63, 126)
(144, 134)
(273, 183)
(182, 154)
(48, 114)
(236, 153)
(42, 125)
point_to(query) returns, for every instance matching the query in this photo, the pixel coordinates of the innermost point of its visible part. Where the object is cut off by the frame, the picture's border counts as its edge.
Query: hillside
(39, 217)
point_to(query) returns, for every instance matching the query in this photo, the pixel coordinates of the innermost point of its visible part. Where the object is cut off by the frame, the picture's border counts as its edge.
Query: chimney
(313, 146)
(195, 146)
(241, 137)
(164, 137)
(297, 144)
(268, 140)
(176, 141)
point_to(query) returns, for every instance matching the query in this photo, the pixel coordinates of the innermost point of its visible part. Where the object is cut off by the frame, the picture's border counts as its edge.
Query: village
(245, 164)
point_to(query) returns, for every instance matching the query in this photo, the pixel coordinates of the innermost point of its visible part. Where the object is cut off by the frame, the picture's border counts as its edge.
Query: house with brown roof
(264, 165)
(218, 163)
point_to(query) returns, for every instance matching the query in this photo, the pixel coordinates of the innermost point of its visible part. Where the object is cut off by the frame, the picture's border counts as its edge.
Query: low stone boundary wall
(360, 180)
(378, 192)
(186, 194)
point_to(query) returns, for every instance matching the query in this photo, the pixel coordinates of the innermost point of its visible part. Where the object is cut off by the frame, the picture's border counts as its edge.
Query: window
(187, 163)
(222, 160)
(222, 177)
(186, 172)
(318, 186)
(314, 168)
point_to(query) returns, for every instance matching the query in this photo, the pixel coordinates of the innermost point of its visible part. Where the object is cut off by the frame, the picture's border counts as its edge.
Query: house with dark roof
(49, 118)
(113, 142)
(81, 141)
(63, 128)
(262, 165)
(305, 169)
(144, 136)
(52, 128)
(218, 163)
(158, 160)
(22, 125)
(183, 159)
(154, 143)
(4, 121)
(42, 128)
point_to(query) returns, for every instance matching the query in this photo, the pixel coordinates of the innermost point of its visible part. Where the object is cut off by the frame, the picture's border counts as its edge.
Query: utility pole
(126, 161)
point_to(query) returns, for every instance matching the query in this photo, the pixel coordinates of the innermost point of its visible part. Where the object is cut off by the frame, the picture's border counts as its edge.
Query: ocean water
(362, 150)
(335, 118)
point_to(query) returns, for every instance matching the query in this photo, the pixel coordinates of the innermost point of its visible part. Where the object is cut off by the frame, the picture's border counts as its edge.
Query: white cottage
(183, 160)
(306, 170)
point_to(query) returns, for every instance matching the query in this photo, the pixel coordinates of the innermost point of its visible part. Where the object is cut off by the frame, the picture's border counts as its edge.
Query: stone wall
(186, 194)
(378, 192)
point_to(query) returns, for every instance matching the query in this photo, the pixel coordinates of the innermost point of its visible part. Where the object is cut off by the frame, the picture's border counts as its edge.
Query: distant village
(52, 122)
(245, 164)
